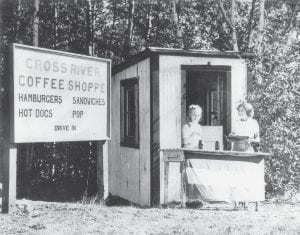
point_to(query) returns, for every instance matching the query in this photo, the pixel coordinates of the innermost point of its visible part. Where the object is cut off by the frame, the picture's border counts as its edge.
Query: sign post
(9, 174)
(55, 97)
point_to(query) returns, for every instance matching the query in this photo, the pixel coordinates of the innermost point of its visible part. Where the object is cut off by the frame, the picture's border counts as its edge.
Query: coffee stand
(150, 95)
(208, 175)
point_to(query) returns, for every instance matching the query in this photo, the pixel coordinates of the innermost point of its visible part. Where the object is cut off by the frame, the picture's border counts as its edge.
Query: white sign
(59, 96)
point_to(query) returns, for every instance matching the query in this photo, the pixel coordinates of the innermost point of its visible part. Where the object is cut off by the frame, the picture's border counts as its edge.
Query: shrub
(277, 104)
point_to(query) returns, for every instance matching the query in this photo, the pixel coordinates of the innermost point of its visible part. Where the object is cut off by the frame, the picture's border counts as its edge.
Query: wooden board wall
(155, 158)
(129, 168)
(170, 86)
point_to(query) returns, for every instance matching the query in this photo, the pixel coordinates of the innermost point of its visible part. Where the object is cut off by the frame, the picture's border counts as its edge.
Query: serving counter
(229, 176)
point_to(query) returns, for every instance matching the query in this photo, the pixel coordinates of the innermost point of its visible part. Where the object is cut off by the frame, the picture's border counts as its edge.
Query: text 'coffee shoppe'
(59, 94)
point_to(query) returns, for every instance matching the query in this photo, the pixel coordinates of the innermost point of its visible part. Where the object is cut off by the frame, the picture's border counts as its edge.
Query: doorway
(210, 88)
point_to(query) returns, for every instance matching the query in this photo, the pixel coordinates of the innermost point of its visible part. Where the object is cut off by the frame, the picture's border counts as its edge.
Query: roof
(177, 52)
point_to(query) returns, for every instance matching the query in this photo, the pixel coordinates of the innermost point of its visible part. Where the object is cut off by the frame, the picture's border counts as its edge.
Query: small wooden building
(150, 94)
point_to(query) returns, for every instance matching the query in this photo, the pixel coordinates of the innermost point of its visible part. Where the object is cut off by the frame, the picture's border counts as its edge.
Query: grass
(93, 217)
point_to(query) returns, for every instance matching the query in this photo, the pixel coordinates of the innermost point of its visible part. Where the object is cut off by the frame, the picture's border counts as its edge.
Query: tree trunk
(149, 26)
(55, 24)
(112, 28)
(175, 15)
(250, 25)
(233, 31)
(35, 27)
(88, 27)
(129, 31)
(261, 25)
(230, 23)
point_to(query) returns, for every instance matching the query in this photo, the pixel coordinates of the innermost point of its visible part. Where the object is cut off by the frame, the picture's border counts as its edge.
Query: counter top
(218, 152)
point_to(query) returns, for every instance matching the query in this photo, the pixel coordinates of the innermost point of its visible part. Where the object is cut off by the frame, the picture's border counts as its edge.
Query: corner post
(102, 168)
(9, 173)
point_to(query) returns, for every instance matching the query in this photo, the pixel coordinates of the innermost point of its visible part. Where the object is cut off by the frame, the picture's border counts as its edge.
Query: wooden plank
(9, 169)
(9, 151)
(166, 181)
(145, 135)
(102, 169)
(227, 99)
(131, 167)
(238, 89)
(183, 183)
(219, 152)
(114, 168)
(156, 169)
(162, 179)
(183, 97)
(99, 164)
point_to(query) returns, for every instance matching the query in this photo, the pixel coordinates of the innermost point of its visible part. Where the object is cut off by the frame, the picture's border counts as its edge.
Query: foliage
(277, 100)
(100, 29)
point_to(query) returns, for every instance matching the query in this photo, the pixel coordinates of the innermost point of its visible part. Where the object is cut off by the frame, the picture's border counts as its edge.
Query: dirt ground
(36, 217)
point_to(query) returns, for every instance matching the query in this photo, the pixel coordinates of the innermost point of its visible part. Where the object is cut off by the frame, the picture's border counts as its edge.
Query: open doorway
(209, 87)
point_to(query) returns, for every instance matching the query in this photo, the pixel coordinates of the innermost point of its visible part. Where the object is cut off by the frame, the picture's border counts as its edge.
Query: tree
(116, 29)
(129, 29)
(176, 8)
(276, 97)
(35, 26)
(230, 23)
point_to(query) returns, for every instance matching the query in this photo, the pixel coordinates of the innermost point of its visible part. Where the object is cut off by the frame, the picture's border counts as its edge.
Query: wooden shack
(150, 94)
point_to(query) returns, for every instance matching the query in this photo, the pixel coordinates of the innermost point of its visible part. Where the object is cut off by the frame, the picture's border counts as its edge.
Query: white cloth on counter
(225, 180)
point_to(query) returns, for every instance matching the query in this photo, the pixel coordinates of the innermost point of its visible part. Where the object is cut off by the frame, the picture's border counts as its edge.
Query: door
(210, 89)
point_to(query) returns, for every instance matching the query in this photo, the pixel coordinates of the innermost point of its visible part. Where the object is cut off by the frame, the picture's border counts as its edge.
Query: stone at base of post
(9, 174)
(102, 168)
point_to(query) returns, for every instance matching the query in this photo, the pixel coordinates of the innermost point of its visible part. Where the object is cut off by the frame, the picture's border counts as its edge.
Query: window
(130, 113)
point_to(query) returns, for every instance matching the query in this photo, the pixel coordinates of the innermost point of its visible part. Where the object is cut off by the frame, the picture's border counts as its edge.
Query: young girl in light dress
(191, 131)
(246, 126)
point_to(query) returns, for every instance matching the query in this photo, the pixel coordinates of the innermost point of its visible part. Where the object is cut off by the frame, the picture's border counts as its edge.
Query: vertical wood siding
(170, 102)
(129, 168)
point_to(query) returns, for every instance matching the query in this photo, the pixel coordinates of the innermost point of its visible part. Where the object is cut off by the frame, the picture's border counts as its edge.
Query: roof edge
(178, 52)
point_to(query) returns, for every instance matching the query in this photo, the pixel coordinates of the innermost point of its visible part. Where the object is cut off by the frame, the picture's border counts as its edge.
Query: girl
(191, 131)
(246, 126)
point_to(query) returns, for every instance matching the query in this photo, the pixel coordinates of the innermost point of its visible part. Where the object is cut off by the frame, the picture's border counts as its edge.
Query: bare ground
(35, 217)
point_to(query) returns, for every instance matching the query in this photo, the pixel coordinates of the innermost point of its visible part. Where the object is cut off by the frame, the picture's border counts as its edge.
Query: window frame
(126, 140)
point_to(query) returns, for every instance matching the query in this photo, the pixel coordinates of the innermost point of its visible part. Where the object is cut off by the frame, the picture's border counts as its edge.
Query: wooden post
(9, 174)
(256, 206)
(166, 181)
(168, 156)
(183, 183)
(102, 168)
(9, 151)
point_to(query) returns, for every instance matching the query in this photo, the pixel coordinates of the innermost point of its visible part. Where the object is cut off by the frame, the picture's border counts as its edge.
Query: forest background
(117, 29)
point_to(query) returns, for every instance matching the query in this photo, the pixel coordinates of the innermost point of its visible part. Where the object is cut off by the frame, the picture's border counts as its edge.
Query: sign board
(173, 155)
(59, 96)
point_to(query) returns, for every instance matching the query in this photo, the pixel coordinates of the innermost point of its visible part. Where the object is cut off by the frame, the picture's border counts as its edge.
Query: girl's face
(195, 117)
(242, 113)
